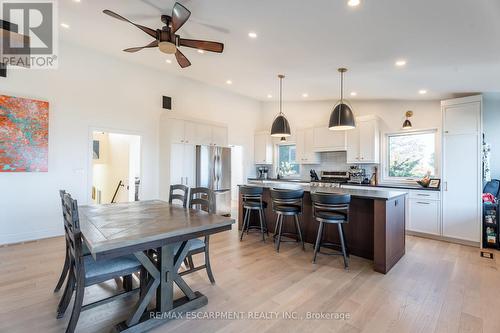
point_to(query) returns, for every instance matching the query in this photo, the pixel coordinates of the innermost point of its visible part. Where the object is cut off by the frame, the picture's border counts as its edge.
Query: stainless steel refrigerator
(213, 170)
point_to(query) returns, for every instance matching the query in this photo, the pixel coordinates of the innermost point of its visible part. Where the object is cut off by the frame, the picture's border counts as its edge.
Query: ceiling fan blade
(135, 49)
(202, 45)
(147, 30)
(182, 60)
(180, 15)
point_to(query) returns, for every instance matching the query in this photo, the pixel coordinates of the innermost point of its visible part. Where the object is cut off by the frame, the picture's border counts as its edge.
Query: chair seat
(333, 216)
(254, 204)
(287, 208)
(196, 244)
(102, 270)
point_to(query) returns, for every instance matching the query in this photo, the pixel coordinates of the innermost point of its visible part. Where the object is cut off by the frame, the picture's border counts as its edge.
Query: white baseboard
(443, 238)
(8, 239)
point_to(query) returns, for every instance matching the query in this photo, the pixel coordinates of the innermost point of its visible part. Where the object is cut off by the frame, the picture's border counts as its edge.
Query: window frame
(289, 143)
(385, 178)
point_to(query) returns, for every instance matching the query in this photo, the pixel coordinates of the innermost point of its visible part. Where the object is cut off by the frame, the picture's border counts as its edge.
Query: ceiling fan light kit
(280, 127)
(342, 117)
(165, 38)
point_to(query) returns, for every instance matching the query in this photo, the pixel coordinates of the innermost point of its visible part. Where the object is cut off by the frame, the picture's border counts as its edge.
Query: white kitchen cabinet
(325, 140)
(219, 136)
(304, 147)
(461, 168)
(182, 164)
(363, 142)
(263, 148)
(424, 212)
(202, 134)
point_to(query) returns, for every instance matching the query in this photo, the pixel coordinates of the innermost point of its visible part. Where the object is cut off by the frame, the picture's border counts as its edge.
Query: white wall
(491, 128)
(93, 91)
(426, 115)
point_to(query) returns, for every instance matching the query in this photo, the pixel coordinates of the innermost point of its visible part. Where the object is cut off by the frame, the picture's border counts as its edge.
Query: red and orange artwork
(24, 134)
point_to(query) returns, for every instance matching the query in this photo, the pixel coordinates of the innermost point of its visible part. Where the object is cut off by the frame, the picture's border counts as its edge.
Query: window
(411, 155)
(286, 160)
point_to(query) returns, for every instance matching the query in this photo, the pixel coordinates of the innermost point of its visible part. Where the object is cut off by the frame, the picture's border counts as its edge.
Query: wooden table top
(116, 229)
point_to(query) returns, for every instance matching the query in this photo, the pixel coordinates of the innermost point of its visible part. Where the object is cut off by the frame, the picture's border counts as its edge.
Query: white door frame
(90, 151)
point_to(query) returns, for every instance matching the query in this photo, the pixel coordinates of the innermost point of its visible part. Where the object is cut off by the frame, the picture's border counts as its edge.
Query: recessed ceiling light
(201, 51)
(400, 63)
(353, 3)
(229, 82)
(305, 95)
(269, 96)
(168, 61)
(353, 93)
(65, 25)
(77, 0)
(422, 91)
(252, 34)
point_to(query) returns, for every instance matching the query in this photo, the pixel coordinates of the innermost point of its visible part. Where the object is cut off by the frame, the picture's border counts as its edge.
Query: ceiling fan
(165, 38)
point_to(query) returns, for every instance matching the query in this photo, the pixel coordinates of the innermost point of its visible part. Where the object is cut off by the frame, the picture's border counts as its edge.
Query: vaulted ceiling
(450, 46)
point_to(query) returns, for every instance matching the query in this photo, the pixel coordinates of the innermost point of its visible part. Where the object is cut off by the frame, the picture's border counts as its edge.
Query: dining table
(159, 235)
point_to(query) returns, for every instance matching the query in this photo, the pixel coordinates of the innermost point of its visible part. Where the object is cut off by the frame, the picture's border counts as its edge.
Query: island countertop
(355, 193)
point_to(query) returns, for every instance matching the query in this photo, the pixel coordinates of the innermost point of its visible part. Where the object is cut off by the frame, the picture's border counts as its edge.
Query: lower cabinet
(424, 212)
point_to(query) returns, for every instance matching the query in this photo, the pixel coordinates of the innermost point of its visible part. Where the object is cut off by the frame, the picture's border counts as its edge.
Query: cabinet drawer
(425, 195)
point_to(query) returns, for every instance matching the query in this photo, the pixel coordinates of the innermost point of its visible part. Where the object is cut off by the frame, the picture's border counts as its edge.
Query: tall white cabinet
(461, 168)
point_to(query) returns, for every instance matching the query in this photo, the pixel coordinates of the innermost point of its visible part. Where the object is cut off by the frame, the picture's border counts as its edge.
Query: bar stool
(333, 209)
(252, 200)
(287, 203)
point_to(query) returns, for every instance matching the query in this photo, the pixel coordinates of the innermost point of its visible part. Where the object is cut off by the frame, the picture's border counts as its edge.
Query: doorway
(116, 167)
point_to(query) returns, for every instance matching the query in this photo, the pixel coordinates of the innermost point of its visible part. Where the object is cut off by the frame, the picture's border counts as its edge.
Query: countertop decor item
(407, 123)
(424, 182)
(280, 127)
(342, 117)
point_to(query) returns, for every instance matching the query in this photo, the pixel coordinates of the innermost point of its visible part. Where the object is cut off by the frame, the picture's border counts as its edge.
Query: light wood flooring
(436, 287)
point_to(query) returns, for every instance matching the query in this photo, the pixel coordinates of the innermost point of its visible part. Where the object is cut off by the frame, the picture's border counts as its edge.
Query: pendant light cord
(281, 94)
(341, 87)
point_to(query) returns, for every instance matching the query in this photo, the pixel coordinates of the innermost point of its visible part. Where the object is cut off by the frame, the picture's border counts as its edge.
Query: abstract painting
(24, 134)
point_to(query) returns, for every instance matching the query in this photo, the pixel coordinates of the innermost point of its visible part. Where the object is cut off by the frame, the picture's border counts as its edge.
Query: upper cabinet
(326, 140)
(363, 142)
(304, 144)
(196, 133)
(263, 148)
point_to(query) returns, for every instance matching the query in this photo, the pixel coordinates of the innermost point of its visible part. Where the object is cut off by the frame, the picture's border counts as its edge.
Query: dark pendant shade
(407, 124)
(280, 127)
(341, 118)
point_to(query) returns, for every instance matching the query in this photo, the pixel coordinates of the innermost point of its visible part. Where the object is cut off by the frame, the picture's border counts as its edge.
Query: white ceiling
(451, 46)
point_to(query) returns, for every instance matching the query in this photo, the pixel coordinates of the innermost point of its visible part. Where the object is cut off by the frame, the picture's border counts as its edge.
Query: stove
(332, 179)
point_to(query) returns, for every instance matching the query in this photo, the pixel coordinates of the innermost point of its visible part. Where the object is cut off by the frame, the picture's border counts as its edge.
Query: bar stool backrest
(331, 202)
(176, 196)
(251, 193)
(201, 197)
(287, 197)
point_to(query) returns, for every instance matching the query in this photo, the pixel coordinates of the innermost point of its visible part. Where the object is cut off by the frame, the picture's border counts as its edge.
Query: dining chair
(84, 271)
(201, 198)
(177, 196)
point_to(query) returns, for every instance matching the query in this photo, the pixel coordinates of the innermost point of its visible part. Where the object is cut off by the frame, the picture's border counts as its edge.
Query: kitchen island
(376, 228)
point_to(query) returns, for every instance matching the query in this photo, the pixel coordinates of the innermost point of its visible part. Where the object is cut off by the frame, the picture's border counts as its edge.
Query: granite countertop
(355, 193)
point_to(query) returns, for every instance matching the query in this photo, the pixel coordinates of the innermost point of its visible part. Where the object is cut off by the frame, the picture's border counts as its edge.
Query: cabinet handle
(423, 195)
(423, 203)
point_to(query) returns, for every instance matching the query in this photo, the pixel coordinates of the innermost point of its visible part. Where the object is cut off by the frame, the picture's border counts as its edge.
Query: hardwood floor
(436, 287)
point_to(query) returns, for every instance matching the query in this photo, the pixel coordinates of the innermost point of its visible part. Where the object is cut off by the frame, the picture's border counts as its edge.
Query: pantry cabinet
(325, 140)
(363, 142)
(305, 153)
(263, 148)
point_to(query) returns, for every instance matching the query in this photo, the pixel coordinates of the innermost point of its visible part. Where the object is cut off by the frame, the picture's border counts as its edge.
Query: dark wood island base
(376, 228)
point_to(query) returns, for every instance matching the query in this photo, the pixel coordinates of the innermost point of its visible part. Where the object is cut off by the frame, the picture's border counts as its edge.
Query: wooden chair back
(201, 197)
(176, 196)
(72, 230)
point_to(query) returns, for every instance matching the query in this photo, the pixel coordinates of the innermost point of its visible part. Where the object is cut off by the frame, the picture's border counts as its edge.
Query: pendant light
(341, 117)
(407, 124)
(280, 127)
